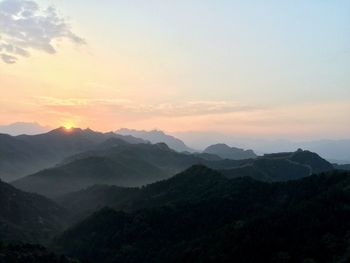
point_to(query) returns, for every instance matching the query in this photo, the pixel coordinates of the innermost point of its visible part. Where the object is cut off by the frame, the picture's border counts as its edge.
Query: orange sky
(144, 70)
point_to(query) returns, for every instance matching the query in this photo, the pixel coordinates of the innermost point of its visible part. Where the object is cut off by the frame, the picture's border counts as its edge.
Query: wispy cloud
(123, 106)
(24, 26)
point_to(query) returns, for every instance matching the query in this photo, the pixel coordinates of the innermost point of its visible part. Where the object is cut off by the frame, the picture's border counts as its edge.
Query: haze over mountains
(25, 154)
(336, 151)
(188, 131)
(226, 152)
(18, 128)
(28, 217)
(157, 136)
(118, 198)
(124, 164)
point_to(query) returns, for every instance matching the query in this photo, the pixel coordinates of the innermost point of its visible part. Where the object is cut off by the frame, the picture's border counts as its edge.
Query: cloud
(24, 26)
(8, 59)
(124, 106)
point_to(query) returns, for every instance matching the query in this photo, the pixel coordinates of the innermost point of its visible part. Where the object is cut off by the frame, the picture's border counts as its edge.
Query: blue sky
(242, 46)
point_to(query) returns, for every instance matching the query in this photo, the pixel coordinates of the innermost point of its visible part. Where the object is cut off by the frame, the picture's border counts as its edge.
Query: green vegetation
(28, 217)
(201, 216)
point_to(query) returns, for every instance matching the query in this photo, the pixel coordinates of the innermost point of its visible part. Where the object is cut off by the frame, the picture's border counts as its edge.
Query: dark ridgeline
(25, 154)
(282, 207)
(226, 152)
(202, 216)
(157, 136)
(281, 166)
(120, 163)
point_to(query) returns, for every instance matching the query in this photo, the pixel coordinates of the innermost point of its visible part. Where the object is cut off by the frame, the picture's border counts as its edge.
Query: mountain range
(116, 163)
(120, 163)
(334, 150)
(201, 216)
(25, 154)
(157, 136)
(107, 197)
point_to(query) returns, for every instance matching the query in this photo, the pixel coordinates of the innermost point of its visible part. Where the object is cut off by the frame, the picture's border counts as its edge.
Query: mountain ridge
(25, 154)
(226, 152)
(157, 136)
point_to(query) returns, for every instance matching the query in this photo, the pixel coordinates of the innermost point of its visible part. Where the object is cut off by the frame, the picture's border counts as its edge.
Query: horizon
(271, 71)
(24, 128)
(336, 151)
(174, 131)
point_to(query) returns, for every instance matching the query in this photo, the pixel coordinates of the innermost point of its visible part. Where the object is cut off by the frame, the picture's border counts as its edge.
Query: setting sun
(68, 127)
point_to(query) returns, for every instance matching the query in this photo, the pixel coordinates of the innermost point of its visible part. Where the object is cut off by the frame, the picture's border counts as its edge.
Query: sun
(68, 126)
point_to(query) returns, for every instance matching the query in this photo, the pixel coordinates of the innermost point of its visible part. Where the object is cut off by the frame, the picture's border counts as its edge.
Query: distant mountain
(201, 216)
(124, 165)
(156, 136)
(333, 150)
(226, 152)
(25, 154)
(18, 128)
(281, 166)
(28, 217)
(338, 150)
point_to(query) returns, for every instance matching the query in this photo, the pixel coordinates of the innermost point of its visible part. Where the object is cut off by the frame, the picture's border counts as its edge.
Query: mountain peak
(18, 128)
(224, 151)
(157, 136)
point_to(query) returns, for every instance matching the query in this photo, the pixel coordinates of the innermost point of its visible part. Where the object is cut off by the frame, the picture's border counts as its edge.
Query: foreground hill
(156, 136)
(28, 217)
(29, 253)
(226, 152)
(202, 216)
(195, 183)
(25, 154)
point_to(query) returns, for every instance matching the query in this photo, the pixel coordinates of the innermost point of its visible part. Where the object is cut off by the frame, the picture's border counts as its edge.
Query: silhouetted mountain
(277, 167)
(82, 203)
(281, 166)
(337, 151)
(26, 154)
(226, 152)
(28, 217)
(18, 128)
(195, 182)
(156, 136)
(138, 164)
(201, 216)
(124, 165)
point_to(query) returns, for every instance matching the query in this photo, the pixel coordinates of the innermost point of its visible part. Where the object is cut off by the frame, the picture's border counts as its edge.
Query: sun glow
(68, 127)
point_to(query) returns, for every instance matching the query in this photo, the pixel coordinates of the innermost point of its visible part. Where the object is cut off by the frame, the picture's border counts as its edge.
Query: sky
(247, 68)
